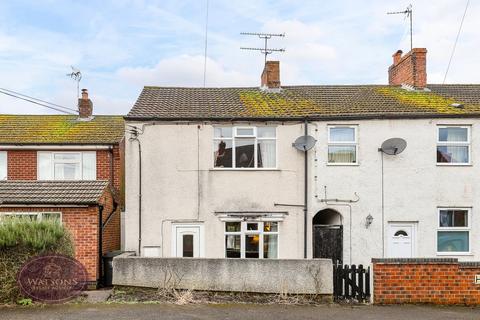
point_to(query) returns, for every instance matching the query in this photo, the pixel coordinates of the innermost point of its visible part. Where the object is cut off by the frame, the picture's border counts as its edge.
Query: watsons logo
(52, 278)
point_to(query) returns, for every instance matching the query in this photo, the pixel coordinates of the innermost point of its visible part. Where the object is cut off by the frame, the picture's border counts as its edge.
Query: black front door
(328, 242)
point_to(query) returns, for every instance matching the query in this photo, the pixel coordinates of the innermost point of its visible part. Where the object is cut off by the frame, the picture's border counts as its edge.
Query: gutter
(56, 146)
(3, 205)
(376, 116)
(45, 204)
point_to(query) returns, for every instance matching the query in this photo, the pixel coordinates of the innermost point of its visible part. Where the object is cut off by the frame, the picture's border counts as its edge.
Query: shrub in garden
(22, 239)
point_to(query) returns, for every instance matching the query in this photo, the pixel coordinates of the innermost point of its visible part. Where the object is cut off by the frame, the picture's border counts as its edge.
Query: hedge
(22, 239)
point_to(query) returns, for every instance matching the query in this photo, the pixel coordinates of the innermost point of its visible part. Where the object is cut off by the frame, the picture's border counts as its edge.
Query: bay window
(453, 145)
(67, 165)
(251, 239)
(342, 145)
(453, 234)
(245, 147)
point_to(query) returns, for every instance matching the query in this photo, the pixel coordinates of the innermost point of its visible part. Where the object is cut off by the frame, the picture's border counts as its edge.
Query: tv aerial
(304, 143)
(393, 146)
(265, 36)
(408, 12)
(77, 76)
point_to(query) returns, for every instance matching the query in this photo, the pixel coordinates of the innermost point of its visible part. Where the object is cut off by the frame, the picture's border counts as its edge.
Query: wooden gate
(328, 242)
(351, 283)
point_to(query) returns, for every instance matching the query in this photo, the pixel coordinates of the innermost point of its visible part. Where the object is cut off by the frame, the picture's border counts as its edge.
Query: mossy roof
(60, 129)
(292, 102)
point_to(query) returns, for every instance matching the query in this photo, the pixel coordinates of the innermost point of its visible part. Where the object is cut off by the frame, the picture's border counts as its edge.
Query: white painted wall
(170, 173)
(414, 186)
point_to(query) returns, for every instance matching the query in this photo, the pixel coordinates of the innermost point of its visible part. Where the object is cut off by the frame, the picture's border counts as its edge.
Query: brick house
(70, 167)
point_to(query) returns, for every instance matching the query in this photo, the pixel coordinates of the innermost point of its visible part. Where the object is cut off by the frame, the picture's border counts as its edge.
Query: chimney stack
(85, 105)
(271, 75)
(411, 69)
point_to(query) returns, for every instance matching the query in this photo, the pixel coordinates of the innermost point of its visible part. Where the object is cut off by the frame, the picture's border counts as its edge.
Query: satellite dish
(304, 143)
(393, 146)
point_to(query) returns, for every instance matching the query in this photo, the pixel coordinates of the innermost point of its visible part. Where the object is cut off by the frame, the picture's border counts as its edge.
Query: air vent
(457, 105)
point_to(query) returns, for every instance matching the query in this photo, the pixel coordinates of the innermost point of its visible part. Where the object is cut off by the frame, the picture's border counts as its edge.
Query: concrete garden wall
(312, 276)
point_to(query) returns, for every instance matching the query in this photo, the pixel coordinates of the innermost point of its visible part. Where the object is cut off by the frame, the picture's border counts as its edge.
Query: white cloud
(120, 46)
(186, 70)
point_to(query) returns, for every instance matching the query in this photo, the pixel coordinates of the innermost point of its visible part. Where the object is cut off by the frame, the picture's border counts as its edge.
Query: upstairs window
(342, 145)
(3, 165)
(453, 145)
(245, 147)
(67, 165)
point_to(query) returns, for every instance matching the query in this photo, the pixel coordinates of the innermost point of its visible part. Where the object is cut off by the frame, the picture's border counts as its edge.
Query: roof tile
(51, 192)
(60, 129)
(327, 101)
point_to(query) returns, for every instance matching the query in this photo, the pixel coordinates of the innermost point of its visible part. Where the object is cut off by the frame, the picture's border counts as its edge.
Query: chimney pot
(85, 105)
(84, 94)
(397, 56)
(411, 69)
(271, 75)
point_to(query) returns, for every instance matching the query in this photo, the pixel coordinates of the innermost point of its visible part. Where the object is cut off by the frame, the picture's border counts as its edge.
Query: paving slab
(97, 296)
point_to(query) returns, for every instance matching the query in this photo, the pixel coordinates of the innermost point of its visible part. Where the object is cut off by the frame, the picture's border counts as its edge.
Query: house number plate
(477, 279)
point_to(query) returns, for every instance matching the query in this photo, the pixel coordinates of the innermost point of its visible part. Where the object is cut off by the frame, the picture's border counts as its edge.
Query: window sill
(454, 254)
(454, 165)
(343, 164)
(243, 169)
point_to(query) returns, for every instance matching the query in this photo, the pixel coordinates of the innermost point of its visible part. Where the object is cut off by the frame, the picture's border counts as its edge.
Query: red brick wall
(22, 165)
(435, 281)
(104, 171)
(111, 233)
(411, 69)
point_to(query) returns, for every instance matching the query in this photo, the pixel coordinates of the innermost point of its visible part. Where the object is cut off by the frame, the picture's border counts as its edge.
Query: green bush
(22, 239)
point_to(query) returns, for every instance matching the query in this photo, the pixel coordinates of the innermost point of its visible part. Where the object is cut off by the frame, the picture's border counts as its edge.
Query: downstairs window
(36, 216)
(247, 239)
(453, 233)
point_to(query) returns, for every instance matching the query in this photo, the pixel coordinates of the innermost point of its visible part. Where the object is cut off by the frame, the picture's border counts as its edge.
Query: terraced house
(212, 172)
(70, 168)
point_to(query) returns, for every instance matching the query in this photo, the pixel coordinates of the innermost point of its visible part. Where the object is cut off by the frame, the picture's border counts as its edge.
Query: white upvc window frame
(467, 143)
(254, 135)
(38, 214)
(449, 229)
(342, 143)
(53, 162)
(243, 232)
(4, 154)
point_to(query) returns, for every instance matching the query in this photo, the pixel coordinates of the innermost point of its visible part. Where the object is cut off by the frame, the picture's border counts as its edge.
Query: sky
(121, 46)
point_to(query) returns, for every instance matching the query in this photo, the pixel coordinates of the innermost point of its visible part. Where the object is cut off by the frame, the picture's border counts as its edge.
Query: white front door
(401, 239)
(187, 241)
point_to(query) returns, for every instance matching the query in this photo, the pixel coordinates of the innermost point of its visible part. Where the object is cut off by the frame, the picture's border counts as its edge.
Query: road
(235, 311)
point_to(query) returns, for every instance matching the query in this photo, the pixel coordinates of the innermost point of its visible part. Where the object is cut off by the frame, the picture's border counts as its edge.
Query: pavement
(235, 311)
